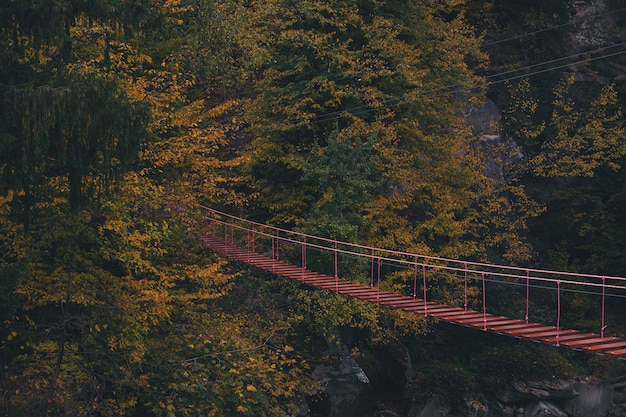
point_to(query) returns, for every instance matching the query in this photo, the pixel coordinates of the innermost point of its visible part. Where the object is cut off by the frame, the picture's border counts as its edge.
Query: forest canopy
(344, 118)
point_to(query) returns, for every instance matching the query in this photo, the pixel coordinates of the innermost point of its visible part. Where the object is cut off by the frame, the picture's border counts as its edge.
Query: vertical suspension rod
(415, 278)
(484, 303)
(527, 294)
(465, 287)
(303, 257)
(336, 268)
(372, 271)
(424, 280)
(378, 284)
(603, 326)
(249, 244)
(558, 311)
(274, 252)
(225, 237)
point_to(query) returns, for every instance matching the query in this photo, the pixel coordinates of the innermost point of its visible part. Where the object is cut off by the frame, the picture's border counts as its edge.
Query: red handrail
(378, 256)
(426, 257)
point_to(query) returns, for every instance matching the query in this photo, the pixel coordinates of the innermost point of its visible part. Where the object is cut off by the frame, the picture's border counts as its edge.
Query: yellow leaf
(251, 388)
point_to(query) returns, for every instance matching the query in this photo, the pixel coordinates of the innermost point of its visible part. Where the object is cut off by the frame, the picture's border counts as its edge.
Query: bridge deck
(552, 335)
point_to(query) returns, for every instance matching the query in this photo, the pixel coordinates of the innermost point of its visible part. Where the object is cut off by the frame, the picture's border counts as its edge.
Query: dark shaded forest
(490, 131)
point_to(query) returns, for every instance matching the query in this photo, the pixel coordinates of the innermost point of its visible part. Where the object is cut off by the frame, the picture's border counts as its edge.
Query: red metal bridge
(358, 271)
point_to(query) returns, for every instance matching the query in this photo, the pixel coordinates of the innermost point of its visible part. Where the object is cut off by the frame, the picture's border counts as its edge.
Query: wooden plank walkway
(574, 339)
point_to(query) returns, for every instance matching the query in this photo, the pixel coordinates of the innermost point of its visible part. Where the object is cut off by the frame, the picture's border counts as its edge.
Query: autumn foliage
(118, 119)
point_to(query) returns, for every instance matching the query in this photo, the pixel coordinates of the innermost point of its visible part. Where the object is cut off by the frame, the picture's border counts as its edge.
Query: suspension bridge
(453, 291)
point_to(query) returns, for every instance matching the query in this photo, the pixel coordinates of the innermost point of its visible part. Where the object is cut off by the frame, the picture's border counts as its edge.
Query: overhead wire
(511, 75)
(331, 115)
(451, 88)
(570, 23)
(489, 44)
(552, 61)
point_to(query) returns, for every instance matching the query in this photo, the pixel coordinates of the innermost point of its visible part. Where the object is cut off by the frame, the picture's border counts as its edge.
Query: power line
(486, 45)
(528, 34)
(579, 54)
(572, 22)
(450, 88)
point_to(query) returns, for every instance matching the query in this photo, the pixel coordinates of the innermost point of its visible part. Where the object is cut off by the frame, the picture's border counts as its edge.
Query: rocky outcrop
(483, 119)
(595, 26)
(594, 399)
(589, 31)
(543, 409)
(583, 397)
(435, 407)
(367, 387)
(542, 390)
(346, 390)
(501, 153)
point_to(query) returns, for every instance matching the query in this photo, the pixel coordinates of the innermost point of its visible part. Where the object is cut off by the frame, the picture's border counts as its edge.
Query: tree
(397, 71)
(89, 293)
(225, 364)
(63, 111)
(580, 140)
(67, 134)
(92, 287)
(346, 172)
(575, 147)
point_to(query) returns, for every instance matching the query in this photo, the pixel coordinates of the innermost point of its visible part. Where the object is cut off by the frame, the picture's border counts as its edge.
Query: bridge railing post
(558, 310)
(527, 294)
(465, 286)
(225, 238)
(415, 278)
(378, 283)
(253, 236)
(248, 244)
(484, 303)
(232, 231)
(424, 283)
(206, 229)
(602, 325)
(277, 243)
(336, 267)
(274, 243)
(372, 269)
(303, 256)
